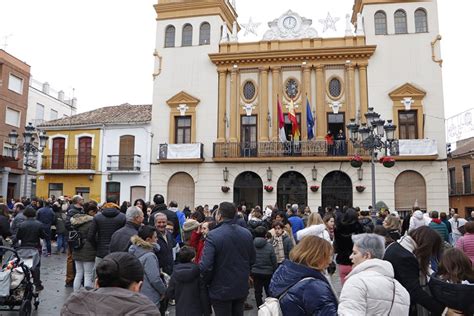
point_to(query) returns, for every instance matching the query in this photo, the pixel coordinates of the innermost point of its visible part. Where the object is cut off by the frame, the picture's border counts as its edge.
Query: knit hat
(190, 225)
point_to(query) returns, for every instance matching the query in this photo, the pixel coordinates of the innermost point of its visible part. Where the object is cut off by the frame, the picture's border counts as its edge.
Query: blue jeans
(47, 240)
(62, 242)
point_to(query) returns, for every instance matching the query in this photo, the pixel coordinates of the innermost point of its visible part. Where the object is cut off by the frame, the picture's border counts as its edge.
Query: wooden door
(126, 152)
(85, 153)
(57, 157)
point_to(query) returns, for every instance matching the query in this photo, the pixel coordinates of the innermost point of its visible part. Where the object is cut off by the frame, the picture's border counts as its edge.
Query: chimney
(61, 96)
(46, 88)
(74, 102)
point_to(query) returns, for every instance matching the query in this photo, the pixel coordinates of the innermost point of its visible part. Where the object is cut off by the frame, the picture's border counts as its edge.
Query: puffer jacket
(108, 301)
(314, 230)
(466, 244)
(417, 220)
(371, 289)
(312, 296)
(120, 240)
(152, 287)
(82, 223)
(104, 225)
(265, 258)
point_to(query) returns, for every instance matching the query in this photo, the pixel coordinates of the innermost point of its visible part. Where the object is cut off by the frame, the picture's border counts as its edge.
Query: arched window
(170, 36)
(380, 20)
(205, 34)
(421, 21)
(187, 39)
(410, 190)
(400, 22)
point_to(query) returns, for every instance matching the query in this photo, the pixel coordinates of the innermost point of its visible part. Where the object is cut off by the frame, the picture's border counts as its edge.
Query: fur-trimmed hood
(80, 219)
(140, 247)
(137, 241)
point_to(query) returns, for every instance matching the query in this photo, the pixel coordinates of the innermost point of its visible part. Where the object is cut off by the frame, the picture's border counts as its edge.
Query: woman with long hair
(142, 205)
(300, 284)
(315, 227)
(330, 223)
(410, 258)
(392, 224)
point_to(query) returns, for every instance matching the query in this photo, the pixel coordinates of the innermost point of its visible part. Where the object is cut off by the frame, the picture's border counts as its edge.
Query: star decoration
(251, 27)
(329, 23)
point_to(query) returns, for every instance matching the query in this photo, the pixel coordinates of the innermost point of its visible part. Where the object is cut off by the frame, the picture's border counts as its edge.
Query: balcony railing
(124, 162)
(461, 189)
(310, 148)
(68, 162)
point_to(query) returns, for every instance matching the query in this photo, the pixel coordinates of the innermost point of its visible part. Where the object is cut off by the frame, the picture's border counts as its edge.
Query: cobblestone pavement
(53, 272)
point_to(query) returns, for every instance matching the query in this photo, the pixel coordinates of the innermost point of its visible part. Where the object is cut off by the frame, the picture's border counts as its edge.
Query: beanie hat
(190, 225)
(158, 199)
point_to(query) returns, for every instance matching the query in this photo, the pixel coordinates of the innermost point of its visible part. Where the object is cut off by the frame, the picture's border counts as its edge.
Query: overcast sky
(103, 48)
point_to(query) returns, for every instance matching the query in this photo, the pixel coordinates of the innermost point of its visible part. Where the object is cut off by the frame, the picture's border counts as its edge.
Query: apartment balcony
(78, 164)
(461, 188)
(124, 163)
(169, 153)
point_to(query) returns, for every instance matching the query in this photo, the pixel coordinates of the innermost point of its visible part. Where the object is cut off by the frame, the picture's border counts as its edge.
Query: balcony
(70, 163)
(124, 163)
(461, 188)
(181, 153)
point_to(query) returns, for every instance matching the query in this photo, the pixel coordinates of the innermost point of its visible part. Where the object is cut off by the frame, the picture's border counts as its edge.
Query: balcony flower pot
(387, 161)
(360, 188)
(356, 161)
(268, 188)
(314, 188)
(225, 189)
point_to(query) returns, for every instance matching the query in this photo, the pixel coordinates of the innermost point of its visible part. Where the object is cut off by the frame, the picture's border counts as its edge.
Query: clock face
(289, 22)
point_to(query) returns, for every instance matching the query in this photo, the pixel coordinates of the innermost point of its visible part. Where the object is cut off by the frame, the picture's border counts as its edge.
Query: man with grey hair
(120, 241)
(371, 287)
(297, 223)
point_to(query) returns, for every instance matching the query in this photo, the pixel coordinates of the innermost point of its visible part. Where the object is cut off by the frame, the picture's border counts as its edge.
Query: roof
(119, 114)
(464, 147)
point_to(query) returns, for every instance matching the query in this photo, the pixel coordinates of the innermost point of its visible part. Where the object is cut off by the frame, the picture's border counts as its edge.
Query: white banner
(418, 147)
(183, 151)
(460, 126)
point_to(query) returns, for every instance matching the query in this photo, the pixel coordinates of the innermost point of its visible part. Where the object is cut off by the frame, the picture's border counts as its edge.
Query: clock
(289, 22)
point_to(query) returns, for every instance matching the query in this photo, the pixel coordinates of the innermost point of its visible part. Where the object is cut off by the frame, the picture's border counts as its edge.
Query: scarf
(436, 220)
(279, 249)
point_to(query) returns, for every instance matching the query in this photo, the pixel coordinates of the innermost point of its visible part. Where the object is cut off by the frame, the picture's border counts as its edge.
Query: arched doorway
(410, 189)
(181, 190)
(336, 190)
(292, 188)
(248, 189)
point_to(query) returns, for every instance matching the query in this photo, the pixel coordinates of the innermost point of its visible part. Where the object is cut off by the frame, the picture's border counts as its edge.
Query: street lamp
(370, 136)
(28, 147)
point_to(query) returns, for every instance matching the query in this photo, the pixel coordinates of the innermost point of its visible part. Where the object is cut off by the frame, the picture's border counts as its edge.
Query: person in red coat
(198, 237)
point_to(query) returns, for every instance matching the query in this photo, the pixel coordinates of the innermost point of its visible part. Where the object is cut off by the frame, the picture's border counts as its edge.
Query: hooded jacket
(82, 223)
(108, 301)
(314, 230)
(371, 289)
(312, 296)
(104, 225)
(417, 220)
(265, 258)
(189, 291)
(152, 287)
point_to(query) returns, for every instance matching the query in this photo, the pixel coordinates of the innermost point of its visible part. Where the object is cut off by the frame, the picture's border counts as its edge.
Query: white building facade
(215, 107)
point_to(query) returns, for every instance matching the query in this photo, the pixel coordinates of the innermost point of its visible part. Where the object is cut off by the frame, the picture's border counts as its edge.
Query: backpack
(271, 306)
(76, 240)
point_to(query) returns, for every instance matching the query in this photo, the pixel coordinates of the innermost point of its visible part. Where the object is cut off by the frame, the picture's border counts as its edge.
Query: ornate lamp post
(373, 136)
(28, 147)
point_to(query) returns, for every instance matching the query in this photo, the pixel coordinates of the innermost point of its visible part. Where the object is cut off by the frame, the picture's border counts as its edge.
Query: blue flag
(309, 120)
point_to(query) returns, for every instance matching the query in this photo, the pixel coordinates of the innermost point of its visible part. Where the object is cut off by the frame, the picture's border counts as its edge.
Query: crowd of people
(147, 256)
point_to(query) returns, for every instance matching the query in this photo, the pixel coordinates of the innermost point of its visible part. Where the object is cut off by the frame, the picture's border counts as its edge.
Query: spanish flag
(295, 131)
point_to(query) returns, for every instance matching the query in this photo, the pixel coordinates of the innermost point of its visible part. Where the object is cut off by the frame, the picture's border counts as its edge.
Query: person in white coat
(314, 227)
(371, 288)
(418, 219)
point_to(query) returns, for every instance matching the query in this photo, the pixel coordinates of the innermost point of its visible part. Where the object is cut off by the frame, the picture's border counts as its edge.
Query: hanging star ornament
(251, 27)
(329, 23)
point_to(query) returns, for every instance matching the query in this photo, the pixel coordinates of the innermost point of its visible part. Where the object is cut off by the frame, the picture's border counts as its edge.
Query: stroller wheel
(25, 308)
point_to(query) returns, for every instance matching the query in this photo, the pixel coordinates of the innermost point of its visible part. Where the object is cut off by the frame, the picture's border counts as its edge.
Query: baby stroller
(16, 285)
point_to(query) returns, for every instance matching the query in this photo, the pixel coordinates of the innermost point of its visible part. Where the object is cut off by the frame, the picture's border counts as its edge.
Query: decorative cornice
(183, 98)
(405, 90)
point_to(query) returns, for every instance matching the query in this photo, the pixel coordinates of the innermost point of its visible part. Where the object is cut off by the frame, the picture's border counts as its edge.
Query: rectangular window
(466, 172)
(54, 115)
(12, 117)
(15, 84)
(408, 122)
(452, 181)
(9, 152)
(84, 192)
(55, 189)
(113, 191)
(248, 136)
(183, 130)
(39, 117)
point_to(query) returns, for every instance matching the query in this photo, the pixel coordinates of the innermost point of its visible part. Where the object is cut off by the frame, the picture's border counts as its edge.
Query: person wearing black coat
(225, 264)
(120, 240)
(4, 222)
(76, 207)
(162, 208)
(187, 287)
(104, 225)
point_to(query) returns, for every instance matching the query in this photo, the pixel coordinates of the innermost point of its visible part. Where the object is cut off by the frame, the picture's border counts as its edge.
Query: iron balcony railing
(68, 162)
(124, 162)
(309, 148)
(460, 188)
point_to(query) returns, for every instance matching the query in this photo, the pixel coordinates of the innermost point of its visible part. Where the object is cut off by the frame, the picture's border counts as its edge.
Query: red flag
(295, 131)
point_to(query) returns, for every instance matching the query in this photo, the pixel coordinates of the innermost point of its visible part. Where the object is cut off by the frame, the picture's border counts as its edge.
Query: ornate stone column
(221, 128)
(321, 119)
(305, 94)
(263, 104)
(363, 92)
(350, 99)
(276, 91)
(234, 111)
